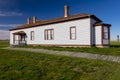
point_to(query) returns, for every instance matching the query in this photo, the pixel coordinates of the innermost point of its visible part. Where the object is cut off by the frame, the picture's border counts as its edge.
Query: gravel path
(76, 54)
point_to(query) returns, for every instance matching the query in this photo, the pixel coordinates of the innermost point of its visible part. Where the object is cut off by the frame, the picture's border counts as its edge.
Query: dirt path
(76, 54)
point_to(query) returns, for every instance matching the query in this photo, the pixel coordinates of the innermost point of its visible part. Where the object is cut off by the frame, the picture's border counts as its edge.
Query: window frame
(32, 35)
(72, 33)
(49, 34)
(105, 32)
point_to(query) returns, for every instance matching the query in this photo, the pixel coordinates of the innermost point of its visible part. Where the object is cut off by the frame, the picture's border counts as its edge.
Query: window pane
(72, 30)
(45, 34)
(105, 32)
(105, 35)
(50, 34)
(105, 29)
(32, 35)
(73, 36)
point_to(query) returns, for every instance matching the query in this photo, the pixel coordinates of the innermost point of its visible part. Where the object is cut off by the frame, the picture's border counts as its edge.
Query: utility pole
(117, 38)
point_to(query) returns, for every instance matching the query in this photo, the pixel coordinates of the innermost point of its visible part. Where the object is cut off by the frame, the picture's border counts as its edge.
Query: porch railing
(19, 42)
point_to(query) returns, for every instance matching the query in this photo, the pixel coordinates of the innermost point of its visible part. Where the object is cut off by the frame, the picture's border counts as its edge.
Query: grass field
(25, 65)
(4, 44)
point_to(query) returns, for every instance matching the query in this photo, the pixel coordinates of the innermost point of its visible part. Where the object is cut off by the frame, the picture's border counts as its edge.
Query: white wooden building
(71, 30)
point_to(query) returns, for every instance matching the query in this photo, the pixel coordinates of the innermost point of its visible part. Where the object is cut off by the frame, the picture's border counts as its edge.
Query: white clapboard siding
(98, 38)
(61, 33)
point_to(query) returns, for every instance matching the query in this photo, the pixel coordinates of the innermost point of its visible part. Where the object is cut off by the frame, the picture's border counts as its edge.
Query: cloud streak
(7, 13)
(9, 8)
(9, 25)
(7, 3)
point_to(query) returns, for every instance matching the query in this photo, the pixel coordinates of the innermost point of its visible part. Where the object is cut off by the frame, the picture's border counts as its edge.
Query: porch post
(13, 38)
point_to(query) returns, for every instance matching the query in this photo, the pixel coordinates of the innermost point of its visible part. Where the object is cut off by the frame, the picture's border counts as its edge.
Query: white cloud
(5, 35)
(9, 25)
(6, 13)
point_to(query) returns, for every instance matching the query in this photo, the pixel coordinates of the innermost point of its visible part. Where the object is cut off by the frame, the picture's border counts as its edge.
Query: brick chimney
(34, 19)
(66, 11)
(28, 20)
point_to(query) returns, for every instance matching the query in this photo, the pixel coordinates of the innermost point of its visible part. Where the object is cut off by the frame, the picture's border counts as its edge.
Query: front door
(22, 39)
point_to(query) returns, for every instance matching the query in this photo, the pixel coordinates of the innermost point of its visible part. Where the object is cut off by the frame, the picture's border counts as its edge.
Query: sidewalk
(75, 54)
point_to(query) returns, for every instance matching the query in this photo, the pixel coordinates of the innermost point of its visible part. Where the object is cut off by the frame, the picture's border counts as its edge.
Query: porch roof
(20, 32)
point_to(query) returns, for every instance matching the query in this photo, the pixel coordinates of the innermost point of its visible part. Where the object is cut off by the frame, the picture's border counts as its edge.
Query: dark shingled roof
(56, 20)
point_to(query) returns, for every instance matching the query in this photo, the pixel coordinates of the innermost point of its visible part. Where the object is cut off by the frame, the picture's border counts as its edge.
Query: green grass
(4, 44)
(24, 65)
(115, 44)
(113, 50)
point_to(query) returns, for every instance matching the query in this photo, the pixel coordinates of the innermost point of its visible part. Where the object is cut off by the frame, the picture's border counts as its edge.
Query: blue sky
(15, 12)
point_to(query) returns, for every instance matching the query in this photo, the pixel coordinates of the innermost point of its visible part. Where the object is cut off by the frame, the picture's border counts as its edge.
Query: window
(32, 35)
(105, 32)
(49, 34)
(72, 33)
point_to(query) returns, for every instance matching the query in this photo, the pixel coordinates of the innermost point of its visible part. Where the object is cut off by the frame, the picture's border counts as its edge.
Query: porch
(19, 38)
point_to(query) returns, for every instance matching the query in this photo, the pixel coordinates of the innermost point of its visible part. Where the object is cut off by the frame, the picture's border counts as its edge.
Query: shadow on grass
(115, 46)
